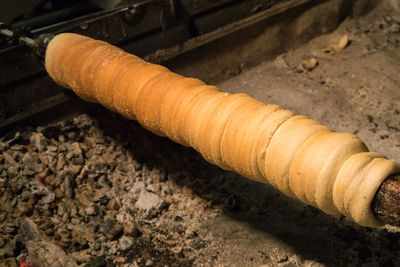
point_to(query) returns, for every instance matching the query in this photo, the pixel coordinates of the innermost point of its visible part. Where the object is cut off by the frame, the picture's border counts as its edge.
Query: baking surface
(118, 193)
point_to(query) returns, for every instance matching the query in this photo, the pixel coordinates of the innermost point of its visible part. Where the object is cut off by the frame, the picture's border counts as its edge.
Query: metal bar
(166, 54)
(7, 33)
(68, 24)
(56, 16)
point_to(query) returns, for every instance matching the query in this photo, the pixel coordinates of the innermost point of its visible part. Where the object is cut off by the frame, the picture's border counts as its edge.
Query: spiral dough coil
(305, 160)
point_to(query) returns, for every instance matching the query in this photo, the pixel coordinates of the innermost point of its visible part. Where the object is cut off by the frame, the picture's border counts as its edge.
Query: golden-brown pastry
(197, 114)
(256, 121)
(230, 136)
(150, 99)
(283, 147)
(215, 126)
(268, 128)
(240, 121)
(303, 159)
(180, 103)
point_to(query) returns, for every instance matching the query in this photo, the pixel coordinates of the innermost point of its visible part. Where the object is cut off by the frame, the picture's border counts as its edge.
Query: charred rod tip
(27, 41)
(386, 203)
(38, 44)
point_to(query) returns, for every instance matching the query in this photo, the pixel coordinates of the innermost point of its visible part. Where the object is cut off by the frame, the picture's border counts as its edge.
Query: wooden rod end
(386, 204)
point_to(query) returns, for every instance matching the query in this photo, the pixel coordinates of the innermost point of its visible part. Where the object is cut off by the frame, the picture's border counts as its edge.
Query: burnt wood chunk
(41, 251)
